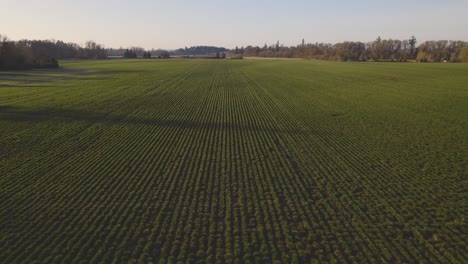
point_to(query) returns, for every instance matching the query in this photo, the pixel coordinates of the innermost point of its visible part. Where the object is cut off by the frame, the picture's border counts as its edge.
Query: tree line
(199, 50)
(378, 50)
(29, 54)
(138, 52)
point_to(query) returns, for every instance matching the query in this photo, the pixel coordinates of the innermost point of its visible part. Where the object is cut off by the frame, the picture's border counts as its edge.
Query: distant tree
(454, 50)
(147, 54)
(349, 51)
(463, 56)
(412, 42)
(217, 55)
(130, 53)
(198, 50)
(165, 54)
(25, 54)
(250, 51)
(376, 49)
(92, 50)
(405, 50)
(440, 51)
(28, 54)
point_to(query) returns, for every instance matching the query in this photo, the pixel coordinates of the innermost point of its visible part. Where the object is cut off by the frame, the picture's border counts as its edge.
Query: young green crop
(234, 161)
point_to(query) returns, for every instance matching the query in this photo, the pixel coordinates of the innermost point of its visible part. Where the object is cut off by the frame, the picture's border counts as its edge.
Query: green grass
(234, 161)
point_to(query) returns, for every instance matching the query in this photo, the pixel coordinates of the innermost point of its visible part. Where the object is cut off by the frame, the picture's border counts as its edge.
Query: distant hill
(198, 50)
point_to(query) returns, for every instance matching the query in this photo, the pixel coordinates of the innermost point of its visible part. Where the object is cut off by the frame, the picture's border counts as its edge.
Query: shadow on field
(25, 78)
(5, 108)
(14, 114)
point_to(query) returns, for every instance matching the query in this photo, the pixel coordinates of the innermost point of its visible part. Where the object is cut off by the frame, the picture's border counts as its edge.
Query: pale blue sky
(177, 23)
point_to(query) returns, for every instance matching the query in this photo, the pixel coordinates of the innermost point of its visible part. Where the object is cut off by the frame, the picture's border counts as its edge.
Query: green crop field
(225, 161)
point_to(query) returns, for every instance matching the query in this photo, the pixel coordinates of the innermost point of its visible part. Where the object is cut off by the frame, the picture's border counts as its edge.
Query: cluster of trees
(29, 54)
(220, 55)
(443, 50)
(91, 50)
(23, 55)
(138, 52)
(161, 54)
(120, 52)
(378, 50)
(130, 54)
(199, 50)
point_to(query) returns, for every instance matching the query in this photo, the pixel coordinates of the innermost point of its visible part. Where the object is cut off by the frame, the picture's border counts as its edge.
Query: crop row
(210, 161)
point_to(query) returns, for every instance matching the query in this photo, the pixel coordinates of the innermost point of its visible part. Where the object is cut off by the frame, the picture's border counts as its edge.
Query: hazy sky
(176, 23)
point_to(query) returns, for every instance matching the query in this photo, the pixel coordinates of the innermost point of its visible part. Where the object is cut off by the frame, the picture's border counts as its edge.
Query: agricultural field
(246, 161)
